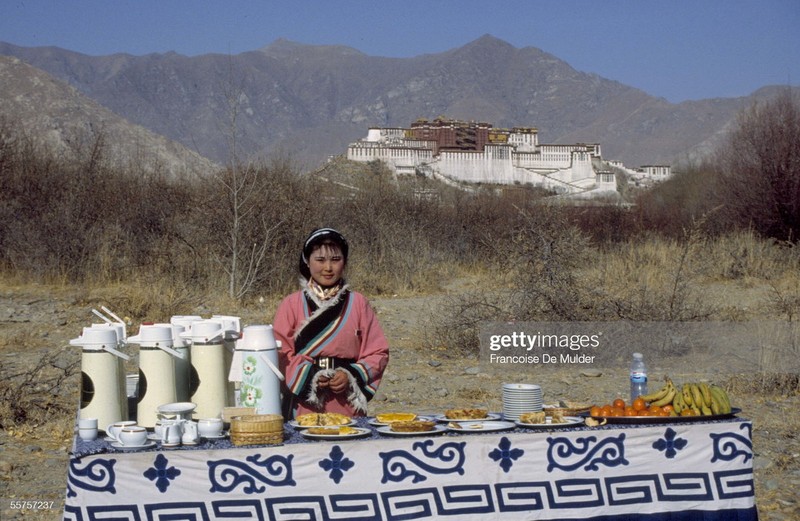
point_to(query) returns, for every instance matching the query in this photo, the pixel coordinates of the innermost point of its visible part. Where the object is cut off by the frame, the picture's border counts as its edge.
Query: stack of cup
(87, 429)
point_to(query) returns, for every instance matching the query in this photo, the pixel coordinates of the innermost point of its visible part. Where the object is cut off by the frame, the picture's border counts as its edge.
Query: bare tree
(760, 167)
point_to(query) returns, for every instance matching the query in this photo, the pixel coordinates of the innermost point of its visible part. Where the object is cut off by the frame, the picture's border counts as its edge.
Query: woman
(333, 351)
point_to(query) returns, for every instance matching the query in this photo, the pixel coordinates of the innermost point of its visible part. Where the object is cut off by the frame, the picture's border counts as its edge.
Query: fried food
(413, 426)
(332, 431)
(391, 417)
(322, 419)
(466, 414)
(533, 417)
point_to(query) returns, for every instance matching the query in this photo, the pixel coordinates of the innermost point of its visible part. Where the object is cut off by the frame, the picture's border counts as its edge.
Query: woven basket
(257, 429)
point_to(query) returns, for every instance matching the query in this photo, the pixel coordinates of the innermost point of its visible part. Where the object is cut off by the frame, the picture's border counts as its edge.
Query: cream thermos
(209, 387)
(183, 365)
(260, 376)
(156, 371)
(101, 378)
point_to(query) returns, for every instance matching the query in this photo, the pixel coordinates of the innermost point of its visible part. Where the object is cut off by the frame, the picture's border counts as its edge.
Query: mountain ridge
(310, 101)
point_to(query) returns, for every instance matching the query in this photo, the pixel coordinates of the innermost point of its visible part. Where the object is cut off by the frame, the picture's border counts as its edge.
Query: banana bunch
(663, 396)
(702, 399)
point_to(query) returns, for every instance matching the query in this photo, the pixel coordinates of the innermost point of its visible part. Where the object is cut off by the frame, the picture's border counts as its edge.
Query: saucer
(217, 437)
(119, 446)
(170, 445)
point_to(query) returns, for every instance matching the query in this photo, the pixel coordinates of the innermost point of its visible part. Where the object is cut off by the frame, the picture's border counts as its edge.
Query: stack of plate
(520, 398)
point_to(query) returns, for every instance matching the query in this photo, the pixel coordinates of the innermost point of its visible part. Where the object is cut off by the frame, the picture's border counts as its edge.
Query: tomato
(639, 404)
(619, 403)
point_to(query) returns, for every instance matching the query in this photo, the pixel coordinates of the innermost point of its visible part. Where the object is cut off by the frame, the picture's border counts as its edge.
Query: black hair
(316, 238)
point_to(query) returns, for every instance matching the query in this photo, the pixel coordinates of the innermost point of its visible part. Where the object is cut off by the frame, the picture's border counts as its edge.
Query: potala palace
(469, 152)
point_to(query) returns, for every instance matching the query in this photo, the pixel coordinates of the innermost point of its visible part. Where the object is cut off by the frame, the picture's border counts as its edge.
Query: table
(655, 472)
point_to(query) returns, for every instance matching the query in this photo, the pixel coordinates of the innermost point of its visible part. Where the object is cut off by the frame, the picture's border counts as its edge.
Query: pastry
(533, 417)
(332, 431)
(324, 419)
(557, 417)
(466, 414)
(391, 417)
(412, 426)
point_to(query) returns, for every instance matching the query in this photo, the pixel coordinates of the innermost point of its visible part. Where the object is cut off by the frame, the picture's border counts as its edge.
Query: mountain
(69, 123)
(311, 101)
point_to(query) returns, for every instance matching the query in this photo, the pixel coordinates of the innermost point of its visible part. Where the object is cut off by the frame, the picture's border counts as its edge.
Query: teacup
(114, 429)
(132, 436)
(209, 427)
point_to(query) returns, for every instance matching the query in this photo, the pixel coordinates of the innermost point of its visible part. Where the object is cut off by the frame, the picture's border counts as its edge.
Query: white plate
(480, 426)
(387, 430)
(375, 423)
(217, 437)
(361, 432)
(489, 417)
(296, 425)
(148, 445)
(569, 421)
(177, 408)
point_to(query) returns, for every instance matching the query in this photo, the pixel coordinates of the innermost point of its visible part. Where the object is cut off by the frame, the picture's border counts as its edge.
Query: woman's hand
(339, 382)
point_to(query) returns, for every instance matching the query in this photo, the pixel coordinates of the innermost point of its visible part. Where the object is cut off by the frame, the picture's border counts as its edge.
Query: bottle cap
(638, 355)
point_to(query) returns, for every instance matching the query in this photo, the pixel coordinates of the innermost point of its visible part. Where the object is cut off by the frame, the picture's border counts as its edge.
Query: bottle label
(639, 378)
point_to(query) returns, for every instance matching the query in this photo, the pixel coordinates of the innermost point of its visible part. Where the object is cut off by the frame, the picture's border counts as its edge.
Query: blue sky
(676, 49)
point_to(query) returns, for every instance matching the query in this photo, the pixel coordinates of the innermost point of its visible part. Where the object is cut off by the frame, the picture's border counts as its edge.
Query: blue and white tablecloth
(682, 471)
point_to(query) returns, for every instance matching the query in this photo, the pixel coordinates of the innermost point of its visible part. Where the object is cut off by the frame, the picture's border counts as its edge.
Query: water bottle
(638, 376)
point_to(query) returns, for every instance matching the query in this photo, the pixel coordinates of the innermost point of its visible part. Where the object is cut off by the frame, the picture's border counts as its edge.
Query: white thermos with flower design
(260, 377)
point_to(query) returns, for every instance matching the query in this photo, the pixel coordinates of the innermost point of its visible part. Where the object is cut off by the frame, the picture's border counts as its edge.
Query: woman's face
(326, 264)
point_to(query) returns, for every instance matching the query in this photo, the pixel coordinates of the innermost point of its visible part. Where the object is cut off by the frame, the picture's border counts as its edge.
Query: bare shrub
(40, 393)
(759, 168)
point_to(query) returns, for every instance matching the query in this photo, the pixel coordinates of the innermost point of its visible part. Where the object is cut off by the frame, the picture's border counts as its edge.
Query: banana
(667, 398)
(706, 410)
(677, 402)
(706, 391)
(656, 395)
(716, 408)
(687, 395)
(722, 397)
(697, 395)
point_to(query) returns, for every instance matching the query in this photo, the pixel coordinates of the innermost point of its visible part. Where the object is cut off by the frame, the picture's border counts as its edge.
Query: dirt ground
(38, 321)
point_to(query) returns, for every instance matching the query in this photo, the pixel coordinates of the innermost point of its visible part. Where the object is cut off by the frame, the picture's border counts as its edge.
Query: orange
(619, 403)
(595, 411)
(639, 404)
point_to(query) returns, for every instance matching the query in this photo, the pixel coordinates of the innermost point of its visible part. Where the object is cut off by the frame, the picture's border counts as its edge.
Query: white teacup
(209, 427)
(87, 423)
(114, 429)
(132, 436)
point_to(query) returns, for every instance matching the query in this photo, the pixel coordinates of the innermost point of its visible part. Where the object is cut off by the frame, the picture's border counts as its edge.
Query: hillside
(69, 124)
(311, 101)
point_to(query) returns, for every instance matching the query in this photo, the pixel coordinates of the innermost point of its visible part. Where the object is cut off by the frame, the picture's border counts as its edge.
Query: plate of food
(542, 420)
(479, 426)
(339, 432)
(465, 415)
(322, 419)
(412, 428)
(388, 418)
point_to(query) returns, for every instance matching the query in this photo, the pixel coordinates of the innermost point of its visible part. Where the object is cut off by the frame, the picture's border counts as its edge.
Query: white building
(477, 153)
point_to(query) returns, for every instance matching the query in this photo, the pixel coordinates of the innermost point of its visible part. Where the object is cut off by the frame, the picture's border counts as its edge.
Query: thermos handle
(117, 353)
(272, 366)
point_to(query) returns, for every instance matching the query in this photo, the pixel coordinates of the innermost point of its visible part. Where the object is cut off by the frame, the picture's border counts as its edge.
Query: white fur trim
(355, 398)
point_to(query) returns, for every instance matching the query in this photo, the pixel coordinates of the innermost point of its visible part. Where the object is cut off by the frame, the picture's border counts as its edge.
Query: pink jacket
(359, 339)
